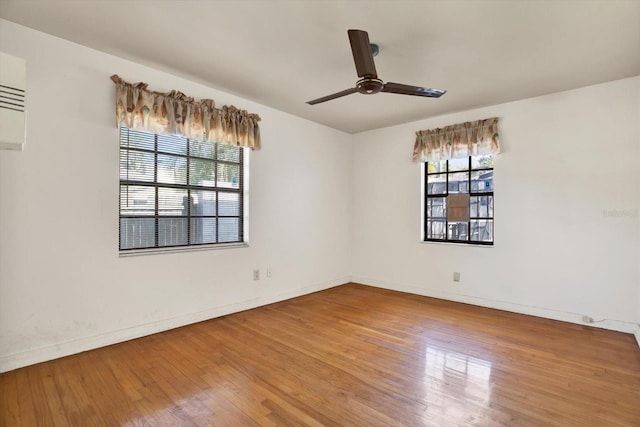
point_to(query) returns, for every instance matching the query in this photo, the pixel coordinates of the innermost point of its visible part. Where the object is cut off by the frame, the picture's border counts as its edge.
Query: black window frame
(469, 170)
(190, 215)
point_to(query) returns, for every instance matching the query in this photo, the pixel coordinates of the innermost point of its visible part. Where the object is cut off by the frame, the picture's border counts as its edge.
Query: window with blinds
(459, 197)
(178, 192)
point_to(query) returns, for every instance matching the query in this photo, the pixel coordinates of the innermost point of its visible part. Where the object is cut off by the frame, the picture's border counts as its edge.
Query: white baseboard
(42, 354)
(615, 325)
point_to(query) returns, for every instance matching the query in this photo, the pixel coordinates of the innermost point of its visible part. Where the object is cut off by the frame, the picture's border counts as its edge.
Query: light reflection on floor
(457, 392)
(457, 387)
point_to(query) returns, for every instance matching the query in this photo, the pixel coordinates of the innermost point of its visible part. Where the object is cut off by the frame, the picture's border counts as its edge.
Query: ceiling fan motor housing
(369, 86)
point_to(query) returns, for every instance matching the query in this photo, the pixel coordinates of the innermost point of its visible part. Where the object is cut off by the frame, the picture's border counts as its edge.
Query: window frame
(425, 202)
(241, 190)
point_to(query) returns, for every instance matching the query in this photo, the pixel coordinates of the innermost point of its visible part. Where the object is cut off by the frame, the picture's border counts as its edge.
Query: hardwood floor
(352, 355)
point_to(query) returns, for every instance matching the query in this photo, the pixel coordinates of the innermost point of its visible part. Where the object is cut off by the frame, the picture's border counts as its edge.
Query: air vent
(13, 111)
(11, 98)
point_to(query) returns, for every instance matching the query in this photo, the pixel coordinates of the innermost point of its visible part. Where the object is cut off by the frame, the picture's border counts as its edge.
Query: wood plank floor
(348, 356)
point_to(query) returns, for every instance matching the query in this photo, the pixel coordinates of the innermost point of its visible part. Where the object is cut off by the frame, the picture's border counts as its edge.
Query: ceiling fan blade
(333, 96)
(412, 90)
(362, 56)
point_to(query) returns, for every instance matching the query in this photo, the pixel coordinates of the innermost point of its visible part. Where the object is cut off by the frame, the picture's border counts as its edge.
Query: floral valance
(457, 141)
(174, 113)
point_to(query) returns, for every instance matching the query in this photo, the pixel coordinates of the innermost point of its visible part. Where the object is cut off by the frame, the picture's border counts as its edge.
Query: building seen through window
(176, 191)
(459, 200)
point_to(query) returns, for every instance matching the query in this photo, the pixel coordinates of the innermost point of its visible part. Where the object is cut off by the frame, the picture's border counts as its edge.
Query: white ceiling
(284, 53)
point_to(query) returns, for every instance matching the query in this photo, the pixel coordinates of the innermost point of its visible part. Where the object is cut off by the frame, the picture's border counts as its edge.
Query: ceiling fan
(369, 83)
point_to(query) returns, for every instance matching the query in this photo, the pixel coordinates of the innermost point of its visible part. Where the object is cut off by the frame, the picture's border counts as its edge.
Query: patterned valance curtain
(174, 113)
(457, 141)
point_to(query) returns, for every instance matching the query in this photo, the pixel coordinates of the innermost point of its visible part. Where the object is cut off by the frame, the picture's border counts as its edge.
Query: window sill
(462, 245)
(159, 251)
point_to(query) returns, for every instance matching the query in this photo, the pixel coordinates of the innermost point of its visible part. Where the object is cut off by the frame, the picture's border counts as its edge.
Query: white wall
(63, 288)
(565, 243)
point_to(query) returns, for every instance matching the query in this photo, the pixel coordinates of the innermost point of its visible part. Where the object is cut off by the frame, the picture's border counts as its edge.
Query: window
(459, 201)
(176, 191)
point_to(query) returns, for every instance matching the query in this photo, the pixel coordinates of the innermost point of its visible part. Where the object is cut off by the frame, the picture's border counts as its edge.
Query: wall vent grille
(12, 98)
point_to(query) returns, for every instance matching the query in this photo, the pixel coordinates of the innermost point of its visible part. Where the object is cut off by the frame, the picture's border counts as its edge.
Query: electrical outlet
(456, 276)
(587, 319)
(256, 274)
(268, 271)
